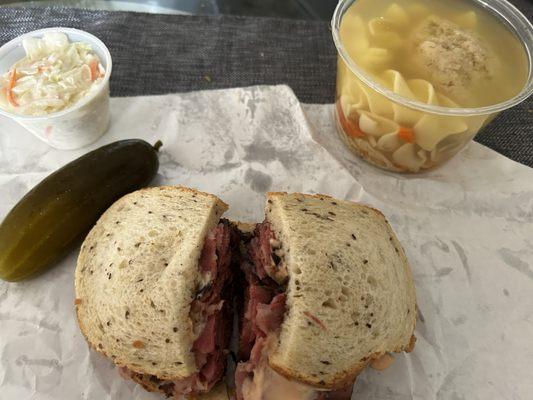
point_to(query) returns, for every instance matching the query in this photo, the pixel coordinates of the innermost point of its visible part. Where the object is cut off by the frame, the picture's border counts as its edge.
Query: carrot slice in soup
(406, 134)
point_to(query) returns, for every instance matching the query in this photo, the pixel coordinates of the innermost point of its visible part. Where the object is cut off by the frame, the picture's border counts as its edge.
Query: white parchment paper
(467, 229)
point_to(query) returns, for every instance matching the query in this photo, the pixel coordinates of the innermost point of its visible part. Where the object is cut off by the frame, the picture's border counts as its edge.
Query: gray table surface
(156, 54)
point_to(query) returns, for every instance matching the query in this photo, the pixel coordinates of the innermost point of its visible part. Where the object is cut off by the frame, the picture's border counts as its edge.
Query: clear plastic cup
(76, 126)
(361, 102)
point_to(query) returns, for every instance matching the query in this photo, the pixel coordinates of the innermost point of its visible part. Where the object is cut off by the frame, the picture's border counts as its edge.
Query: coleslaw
(54, 75)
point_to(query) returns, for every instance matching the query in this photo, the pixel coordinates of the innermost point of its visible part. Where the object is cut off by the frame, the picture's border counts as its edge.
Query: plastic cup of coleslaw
(404, 134)
(80, 124)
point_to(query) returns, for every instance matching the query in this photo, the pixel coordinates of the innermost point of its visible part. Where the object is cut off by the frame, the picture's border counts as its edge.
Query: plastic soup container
(405, 125)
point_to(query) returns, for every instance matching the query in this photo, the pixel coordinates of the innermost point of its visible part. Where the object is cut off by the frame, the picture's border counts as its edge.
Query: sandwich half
(329, 290)
(154, 289)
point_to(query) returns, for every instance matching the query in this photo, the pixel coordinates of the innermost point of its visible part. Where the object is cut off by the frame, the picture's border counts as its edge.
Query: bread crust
(343, 378)
(184, 189)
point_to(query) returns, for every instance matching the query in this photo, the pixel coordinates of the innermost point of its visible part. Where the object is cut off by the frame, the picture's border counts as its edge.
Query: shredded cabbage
(54, 75)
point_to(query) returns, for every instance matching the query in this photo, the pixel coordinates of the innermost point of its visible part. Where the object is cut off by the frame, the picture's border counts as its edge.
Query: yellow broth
(390, 28)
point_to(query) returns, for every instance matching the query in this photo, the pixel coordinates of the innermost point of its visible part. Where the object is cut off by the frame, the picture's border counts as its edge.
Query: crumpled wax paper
(467, 229)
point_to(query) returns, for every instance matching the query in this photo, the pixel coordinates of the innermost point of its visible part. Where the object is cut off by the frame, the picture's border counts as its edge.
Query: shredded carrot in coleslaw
(9, 91)
(95, 73)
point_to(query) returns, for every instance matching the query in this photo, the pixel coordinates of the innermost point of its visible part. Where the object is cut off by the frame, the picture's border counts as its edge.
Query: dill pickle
(52, 218)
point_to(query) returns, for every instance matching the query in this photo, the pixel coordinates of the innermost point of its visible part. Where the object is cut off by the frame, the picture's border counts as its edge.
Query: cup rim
(39, 33)
(516, 21)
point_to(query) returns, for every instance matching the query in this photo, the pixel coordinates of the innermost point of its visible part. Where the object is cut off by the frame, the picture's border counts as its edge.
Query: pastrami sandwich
(329, 291)
(154, 290)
